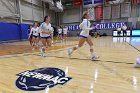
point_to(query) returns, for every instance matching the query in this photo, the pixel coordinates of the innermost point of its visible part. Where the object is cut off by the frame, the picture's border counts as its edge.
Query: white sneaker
(69, 51)
(44, 55)
(42, 50)
(137, 64)
(94, 57)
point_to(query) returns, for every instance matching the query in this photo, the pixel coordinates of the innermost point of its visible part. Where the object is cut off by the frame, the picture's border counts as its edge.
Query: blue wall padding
(24, 31)
(11, 31)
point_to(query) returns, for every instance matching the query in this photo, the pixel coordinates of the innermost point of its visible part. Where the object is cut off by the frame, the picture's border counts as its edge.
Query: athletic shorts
(35, 36)
(46, 37)
(119, 32)
(124, 31)
(83, 36)
(31, 36)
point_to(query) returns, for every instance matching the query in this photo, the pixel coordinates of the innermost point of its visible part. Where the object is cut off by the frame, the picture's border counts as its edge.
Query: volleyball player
(35, 31)
(137, 63)
(39, 38)
(52, 33)
(60, 33)
(45, 33)
(124, 28)
(30, 35)
(119, 31)
(65, 31)
(84, 36)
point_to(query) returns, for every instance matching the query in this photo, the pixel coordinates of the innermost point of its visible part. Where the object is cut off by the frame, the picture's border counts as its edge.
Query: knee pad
(77, 46)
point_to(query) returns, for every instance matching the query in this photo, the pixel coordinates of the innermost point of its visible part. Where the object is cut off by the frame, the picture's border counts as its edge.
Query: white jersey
(118, 29)
(59, 31)
(124, 27)
(85, 26)
(44, 27)
(52, 30)
(65, 30)
(34, 31)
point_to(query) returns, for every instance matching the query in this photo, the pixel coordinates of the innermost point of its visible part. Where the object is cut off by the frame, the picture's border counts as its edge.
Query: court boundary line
(12, 41)
(38, 54)
(133, 47)
(109, 61)
(17, 54)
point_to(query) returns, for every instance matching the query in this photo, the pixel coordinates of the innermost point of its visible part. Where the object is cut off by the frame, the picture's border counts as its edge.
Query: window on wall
(107, 12)
(125, 10)
(135, 2)
(139, 11)
(116, 11)
(135, 8)
(134, 12)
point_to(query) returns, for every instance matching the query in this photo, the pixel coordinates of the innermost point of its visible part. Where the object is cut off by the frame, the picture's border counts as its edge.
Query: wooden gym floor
(113, 73)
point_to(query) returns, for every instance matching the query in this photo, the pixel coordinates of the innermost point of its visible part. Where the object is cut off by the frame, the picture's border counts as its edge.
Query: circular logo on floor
(39, 79)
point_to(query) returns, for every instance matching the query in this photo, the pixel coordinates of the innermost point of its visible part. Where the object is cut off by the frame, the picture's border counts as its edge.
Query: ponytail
(46, 17)
(84, 14)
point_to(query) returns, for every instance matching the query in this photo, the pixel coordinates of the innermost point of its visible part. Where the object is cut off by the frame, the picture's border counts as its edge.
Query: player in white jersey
(137, 63)
(119, 31)
(84, 36)
(35, 32)
(45, 34)
(52, 33)
(59, 33)
(124, 28)
(65, 32)
(30, 35)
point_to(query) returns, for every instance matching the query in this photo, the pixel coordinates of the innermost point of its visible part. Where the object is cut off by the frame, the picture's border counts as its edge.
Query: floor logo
(39, 79)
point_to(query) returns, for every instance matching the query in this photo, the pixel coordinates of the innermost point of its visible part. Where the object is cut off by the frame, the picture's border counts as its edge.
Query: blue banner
(75, 27)
(110, 25)
(98, 1)
(87, 2)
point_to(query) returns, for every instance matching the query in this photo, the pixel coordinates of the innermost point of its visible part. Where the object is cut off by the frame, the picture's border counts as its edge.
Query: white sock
(93, 54)
(71, 50)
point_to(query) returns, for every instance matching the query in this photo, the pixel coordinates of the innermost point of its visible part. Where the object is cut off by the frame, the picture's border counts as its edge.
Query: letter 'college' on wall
(75, 27)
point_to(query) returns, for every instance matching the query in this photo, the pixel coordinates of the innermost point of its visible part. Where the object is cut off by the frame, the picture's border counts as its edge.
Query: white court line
(47, 89)
(66, 71)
